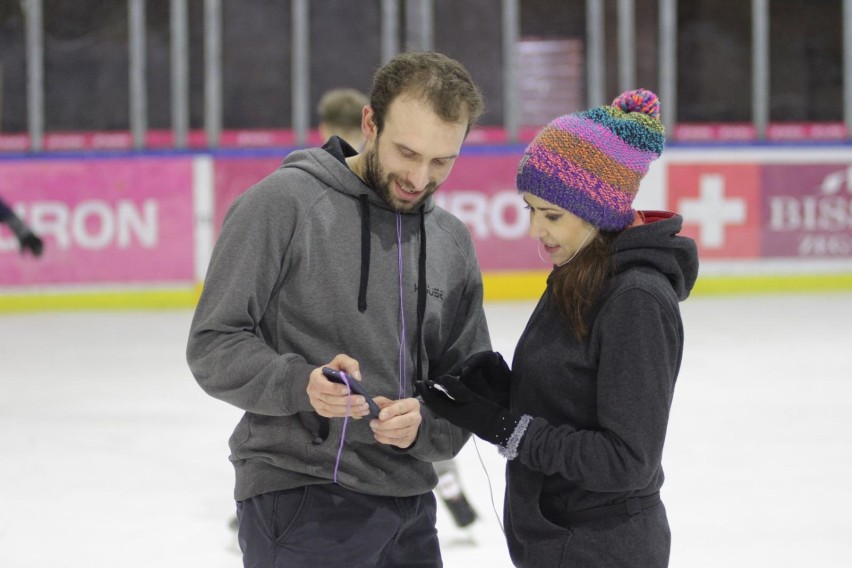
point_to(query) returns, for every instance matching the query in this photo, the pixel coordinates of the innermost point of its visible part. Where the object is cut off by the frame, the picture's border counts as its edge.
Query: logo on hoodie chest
(435, 292)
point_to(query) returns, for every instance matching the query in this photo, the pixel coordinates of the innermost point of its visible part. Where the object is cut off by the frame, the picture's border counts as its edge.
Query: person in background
(340, 112)
(452, 494)
(582, 414)
(27, 239)
(341, 259)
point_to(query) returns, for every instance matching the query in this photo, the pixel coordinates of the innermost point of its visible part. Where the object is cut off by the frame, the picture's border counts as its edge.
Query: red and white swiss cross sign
(720, 205)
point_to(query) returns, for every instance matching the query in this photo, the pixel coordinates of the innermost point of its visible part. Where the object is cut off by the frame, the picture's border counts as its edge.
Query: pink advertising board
(768, 210)
(103, 220)
(232, 176)
(720, 205)
(480, 191)
(807, 211)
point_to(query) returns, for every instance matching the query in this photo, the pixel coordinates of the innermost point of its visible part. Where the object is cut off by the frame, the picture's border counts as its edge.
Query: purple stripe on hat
(577, 190)
(604, 138)
(576, 202)
(574, 176)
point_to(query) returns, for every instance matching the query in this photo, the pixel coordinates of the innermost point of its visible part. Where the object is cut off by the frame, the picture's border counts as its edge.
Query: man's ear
(368, 124)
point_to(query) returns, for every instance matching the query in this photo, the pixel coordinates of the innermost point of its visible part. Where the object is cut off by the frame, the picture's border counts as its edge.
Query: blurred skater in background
(27, 239)
(340, 112)
(582, 414)
(452, 494)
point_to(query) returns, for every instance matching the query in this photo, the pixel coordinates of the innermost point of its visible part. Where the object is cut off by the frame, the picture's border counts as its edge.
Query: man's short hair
(443, 83)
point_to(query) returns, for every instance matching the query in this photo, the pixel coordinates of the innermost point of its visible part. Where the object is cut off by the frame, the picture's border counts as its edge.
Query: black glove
(450, 399)
(32, 242)
(488, 375)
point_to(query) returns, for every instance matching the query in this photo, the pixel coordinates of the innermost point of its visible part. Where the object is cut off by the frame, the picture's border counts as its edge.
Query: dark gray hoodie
(600, 407)
(307, 266)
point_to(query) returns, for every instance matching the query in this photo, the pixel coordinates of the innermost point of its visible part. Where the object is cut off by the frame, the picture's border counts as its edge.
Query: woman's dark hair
(578, 284)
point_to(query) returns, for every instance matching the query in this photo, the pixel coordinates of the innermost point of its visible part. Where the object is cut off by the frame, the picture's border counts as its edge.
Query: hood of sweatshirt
(328, 165)
(656, 244)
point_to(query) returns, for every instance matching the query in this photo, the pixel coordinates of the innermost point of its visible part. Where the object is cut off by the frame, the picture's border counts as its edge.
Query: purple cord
(401, 392)
(345, 423)
(401, 359)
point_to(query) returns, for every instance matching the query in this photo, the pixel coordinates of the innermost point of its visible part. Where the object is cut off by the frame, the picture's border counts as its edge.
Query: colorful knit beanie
(590, 163)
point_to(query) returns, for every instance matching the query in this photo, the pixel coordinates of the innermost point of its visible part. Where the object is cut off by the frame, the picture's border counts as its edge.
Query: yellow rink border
(530, 285)
(506, 286)
(138, 299)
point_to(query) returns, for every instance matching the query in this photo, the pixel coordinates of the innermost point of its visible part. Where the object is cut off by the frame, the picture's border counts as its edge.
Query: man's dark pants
(328, 526)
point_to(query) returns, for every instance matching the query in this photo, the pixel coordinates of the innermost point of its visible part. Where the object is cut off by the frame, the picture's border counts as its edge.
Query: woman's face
(562, 234)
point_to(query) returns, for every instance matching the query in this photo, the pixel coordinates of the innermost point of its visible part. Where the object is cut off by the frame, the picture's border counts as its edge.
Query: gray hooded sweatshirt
(310, 263)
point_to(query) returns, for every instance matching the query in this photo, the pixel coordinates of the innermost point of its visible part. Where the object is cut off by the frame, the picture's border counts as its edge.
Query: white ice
(112, 456)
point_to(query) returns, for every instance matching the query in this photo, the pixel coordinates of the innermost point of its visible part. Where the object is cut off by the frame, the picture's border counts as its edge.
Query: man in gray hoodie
(342, 260)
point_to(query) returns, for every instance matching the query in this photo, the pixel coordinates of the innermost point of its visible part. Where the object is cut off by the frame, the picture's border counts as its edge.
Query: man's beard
(381, 182)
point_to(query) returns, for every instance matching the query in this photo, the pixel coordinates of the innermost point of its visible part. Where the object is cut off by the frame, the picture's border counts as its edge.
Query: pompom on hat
(591, 163)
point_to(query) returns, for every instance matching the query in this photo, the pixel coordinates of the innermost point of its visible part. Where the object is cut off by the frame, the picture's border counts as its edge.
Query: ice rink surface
(113, 457)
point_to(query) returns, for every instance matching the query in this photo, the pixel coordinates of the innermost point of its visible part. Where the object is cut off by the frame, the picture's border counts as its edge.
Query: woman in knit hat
(582, 414)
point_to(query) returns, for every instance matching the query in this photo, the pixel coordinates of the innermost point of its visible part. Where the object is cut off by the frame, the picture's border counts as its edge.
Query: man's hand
(398, 421)
(332, 400)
